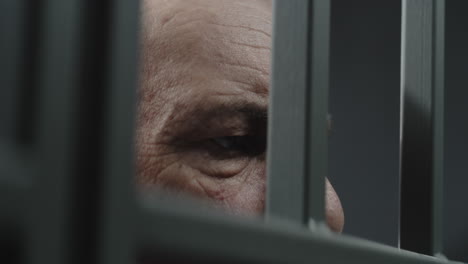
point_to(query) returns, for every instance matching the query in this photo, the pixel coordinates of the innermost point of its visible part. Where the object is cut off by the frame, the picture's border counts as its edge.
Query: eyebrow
(204, 116)
(251, 111)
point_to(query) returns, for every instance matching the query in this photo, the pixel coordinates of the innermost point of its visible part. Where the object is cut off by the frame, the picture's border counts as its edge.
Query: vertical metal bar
(18, 42)
(12, 29)
(298, 106)
(116, 226)
(50, 234)
(422, 126)
(438, 78)
(317, 131)
(15, 175)
(286, 142)
(73, 95)
(17, 21)
(12, 18)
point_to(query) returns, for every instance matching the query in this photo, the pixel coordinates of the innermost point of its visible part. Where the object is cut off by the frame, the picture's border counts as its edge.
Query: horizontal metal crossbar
(197, 236)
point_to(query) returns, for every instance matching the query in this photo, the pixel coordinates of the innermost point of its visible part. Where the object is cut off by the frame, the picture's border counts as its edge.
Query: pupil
(228, 142)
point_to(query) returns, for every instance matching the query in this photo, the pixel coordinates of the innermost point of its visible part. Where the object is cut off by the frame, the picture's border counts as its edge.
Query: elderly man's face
(203, 102)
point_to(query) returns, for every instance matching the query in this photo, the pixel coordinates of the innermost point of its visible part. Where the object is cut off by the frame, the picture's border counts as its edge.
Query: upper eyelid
(235, 125)
(202, 131)
(200, 121)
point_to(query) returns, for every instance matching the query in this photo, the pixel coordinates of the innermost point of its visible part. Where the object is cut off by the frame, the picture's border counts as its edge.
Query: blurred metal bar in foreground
(12, 35)
(76, 103)
(50, 235)
(19, 32)
(422, 110)
(318, 123)
(297, 144)
(117, 207)
(184, 233)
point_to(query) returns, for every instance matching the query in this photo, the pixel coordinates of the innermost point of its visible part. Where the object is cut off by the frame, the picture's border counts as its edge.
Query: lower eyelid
(221, 168)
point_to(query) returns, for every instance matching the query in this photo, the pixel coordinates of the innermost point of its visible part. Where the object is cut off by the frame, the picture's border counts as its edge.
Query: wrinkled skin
(205, 70)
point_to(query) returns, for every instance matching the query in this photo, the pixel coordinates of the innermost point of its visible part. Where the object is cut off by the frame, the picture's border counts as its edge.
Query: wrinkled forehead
(159, 11)
(192, 34)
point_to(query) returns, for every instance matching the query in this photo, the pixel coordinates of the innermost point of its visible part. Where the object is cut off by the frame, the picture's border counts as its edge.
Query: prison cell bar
(297, 143)
(19, 21)
(16, 21)
(422, 115)
(14, 162)
(49, 234)
(183, 233)
(177, 229)
(117, 219)
(15, 170)
(11, 44)
(74, 91)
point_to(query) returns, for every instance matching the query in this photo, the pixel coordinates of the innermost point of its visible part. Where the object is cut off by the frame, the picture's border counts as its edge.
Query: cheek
(179, 178)
(249, 200)
(168, 172)
(240, 194)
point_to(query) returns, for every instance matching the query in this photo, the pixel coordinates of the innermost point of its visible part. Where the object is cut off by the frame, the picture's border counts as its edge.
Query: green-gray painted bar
(438, 71)
(178, 234)
(49, 238)
(13, 204)
(18, 41)
(317, 130)
(116, 226)
(15, 180)
(422, 110)
(297, 144)
(12, 38)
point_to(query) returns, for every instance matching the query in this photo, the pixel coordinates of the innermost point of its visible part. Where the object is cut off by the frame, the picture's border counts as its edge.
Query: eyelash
(245, 145)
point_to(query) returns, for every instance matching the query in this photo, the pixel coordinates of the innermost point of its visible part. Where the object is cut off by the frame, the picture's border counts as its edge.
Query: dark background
(364, 103)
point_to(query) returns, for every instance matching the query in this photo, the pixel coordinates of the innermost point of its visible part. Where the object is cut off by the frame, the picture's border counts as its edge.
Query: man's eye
(229, 143)
(249, 145)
